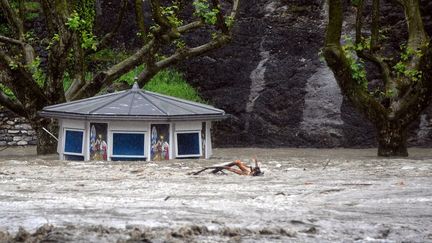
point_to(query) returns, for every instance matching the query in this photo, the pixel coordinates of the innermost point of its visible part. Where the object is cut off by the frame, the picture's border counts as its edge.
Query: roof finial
(135, 86)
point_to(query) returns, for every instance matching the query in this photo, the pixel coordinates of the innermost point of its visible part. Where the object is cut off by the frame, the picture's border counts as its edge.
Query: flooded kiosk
(133, 125)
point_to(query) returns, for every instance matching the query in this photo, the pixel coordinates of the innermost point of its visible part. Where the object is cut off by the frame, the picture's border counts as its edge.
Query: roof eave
(75, 116)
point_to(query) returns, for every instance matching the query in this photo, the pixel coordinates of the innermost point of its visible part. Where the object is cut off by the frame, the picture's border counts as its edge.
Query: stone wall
(15, 130)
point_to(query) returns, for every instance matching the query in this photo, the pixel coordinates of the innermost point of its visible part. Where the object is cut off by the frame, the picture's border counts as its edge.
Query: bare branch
(187, 27)
(5, 39)
(234, 9)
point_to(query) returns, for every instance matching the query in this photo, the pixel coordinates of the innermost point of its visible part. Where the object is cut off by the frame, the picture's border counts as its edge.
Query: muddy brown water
(305, 195)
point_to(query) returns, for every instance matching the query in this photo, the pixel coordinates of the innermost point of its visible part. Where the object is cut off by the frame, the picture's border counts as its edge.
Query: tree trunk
(46, 144)
(392, 140)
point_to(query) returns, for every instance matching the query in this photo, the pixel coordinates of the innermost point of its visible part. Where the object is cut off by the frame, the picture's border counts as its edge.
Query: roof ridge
(157, 107)
(132, 101)
(111, 101)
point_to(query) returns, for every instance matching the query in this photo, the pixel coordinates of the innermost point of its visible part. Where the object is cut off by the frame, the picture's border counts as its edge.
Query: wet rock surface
(278, 92)
(307, 195)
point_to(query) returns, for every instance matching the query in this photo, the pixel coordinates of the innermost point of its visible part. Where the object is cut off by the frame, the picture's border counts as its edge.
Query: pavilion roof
(133, 104)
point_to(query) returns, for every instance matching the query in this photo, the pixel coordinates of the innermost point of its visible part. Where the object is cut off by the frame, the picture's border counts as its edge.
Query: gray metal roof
(133, 104)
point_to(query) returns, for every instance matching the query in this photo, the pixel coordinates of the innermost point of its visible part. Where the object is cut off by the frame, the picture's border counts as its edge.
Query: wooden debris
(242, 168)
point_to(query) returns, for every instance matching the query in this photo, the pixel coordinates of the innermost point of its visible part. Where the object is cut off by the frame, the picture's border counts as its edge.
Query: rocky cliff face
(271, 81)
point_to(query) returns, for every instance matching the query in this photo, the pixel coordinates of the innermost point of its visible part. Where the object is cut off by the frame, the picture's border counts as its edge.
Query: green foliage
(401, 67)
(358, 71)
(30, 36)
(37, 72)
(13, 65)
(84, 27)
(31, 16)
(68, 80)
(229, 21)
(32, 6)
(203, 10)
(108, 55)
(180, 44)
(355, 2)
(4, 29)
(87, 13)
(7, 91)
(170, 13)
(167, 82)
(170, 82)
(54, 39)
(74, 21)
(130, 76)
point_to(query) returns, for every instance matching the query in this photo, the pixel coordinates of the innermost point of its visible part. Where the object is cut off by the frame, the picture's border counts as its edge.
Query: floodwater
(305, 195)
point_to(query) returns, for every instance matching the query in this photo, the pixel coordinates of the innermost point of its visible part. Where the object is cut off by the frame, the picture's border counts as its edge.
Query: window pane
(128, 144)
(73, 142)
(188, 143)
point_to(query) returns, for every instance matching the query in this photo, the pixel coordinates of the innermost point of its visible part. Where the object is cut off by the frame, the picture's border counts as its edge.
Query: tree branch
(334, 26)
(359, 21)
(106, 78)
(375, 25)
(13, 105)
(220, 20)
(139, 16)
(13, 41)
(190, 26)
(417, 98)
(234, 9)
(13, 18)
(339, 64)
(417, 34)
(180, 55)
(25, 78)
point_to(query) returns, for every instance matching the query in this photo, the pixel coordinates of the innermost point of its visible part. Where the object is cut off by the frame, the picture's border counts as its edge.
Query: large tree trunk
(392, 140)
(46, 144)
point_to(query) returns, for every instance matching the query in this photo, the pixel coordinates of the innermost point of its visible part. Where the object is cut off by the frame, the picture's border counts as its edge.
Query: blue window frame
(128, 144)
(73, 142)
(188, 144)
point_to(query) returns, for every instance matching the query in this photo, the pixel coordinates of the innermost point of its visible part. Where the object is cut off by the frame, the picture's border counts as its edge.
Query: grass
(171, 82)
(168, 82)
